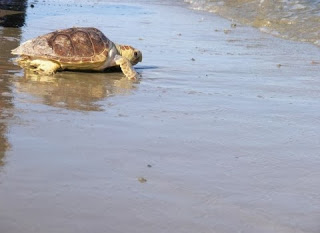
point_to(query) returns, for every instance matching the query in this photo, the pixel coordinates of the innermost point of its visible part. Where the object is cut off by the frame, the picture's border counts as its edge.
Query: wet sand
(223, 125)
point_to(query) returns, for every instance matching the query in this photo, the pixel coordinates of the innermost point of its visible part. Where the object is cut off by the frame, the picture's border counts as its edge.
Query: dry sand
(223, 126)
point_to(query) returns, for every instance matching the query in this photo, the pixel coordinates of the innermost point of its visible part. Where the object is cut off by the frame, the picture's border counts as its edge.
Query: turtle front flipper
(126, 67)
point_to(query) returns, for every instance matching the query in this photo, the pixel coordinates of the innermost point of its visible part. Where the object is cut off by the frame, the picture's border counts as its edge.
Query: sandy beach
(220, 134)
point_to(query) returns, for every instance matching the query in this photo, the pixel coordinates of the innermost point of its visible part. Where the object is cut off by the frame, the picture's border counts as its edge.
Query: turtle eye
(135, 54)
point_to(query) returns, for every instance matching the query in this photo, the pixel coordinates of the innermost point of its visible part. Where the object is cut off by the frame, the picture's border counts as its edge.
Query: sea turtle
(77, 48)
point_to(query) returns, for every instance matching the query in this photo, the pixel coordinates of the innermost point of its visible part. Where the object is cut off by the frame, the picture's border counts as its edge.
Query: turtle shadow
(78, 91)
(147, 67)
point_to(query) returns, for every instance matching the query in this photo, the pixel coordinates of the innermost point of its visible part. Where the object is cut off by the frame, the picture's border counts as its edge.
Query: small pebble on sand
(142, 180)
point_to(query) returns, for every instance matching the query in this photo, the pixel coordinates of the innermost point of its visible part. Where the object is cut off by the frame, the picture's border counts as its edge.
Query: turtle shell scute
(78, 44)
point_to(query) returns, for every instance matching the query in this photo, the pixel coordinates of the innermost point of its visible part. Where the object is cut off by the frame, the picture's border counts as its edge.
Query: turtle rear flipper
(38, 66)
(126, 67)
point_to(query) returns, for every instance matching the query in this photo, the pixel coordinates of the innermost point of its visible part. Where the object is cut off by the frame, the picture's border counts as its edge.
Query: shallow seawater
(222, 128)
(296, 20)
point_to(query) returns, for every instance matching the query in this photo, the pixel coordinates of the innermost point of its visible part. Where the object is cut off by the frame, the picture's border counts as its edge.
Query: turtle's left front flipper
(126, 67)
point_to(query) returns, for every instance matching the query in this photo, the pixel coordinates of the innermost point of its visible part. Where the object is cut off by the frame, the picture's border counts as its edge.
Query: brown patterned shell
(73, 45)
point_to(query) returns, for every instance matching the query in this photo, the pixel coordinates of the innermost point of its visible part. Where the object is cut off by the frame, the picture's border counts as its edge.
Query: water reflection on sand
(5, 88)
(5, 106)
(12, 17)
(75, 90)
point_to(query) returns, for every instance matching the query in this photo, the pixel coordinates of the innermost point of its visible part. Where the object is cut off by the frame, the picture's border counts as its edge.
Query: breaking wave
(290, 19)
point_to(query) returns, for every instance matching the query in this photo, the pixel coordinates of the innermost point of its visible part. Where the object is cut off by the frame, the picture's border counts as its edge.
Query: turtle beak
(137, 58)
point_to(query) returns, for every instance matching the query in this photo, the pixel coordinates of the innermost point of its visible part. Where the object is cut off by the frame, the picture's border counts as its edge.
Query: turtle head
(132, 54)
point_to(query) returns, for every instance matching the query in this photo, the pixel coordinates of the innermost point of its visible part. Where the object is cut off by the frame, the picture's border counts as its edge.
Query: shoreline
(227, 118)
